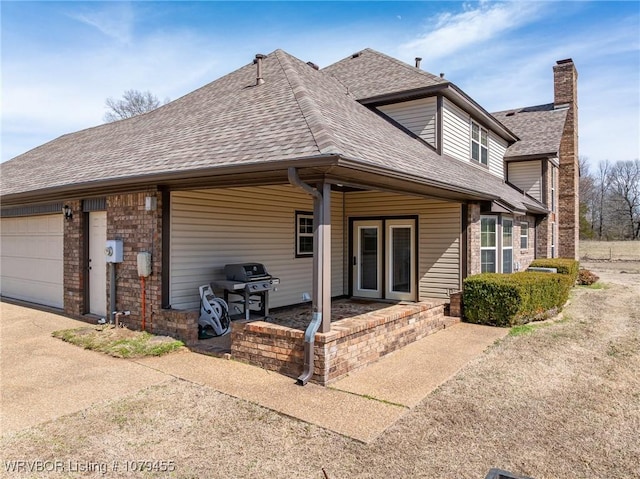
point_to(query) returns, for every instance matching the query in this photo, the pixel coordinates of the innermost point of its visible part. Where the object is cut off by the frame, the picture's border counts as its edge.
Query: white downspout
(318, 253)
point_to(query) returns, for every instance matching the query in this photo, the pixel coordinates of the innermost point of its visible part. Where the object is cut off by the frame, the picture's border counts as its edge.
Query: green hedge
(510, 299)
(563, 265)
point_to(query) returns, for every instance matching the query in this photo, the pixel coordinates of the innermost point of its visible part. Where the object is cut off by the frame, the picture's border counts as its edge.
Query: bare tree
(602, 189)
(624, 181)
(588, 199)
(133, 103)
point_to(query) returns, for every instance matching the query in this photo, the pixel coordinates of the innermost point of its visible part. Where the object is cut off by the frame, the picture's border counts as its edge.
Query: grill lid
(246, 272)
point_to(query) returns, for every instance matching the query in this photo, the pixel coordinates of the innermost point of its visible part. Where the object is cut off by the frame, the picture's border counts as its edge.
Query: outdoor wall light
(66, 211)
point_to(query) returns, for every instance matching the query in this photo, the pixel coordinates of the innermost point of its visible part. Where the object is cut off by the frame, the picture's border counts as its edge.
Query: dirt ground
(563, 401)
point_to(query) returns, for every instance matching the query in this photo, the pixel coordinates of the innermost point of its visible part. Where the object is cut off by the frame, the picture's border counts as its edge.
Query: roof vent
(356, 55)
(418, 60)
(258, 62)
(511, 113)
(313, 65)
(441, 75)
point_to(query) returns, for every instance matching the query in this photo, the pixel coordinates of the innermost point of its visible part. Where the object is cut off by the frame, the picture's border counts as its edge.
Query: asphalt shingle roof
(369, 73)
(298, 113)
(538, 127)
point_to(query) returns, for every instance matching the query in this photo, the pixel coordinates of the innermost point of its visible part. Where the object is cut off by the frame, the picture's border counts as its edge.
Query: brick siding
(74, 265)
(139, 230)
(566, 92)
(351, 344)
(473, 239)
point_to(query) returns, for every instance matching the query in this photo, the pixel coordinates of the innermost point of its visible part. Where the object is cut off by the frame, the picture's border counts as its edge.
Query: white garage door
(31, 266)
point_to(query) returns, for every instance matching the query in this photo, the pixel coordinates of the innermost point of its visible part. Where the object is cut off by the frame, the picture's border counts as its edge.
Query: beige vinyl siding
(439, 224)
(527, 175)
(31, 261)
(211, 228)
(456, 139)
(497, 148)
(455, 132)
(418, 116)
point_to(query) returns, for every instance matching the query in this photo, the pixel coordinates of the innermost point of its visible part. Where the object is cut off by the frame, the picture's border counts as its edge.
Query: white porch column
(324, 248)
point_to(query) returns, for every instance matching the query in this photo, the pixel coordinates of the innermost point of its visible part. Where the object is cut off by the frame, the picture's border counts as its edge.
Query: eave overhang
(333, 168)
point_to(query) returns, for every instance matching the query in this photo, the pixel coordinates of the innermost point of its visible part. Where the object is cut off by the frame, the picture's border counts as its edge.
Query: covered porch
(397, 256)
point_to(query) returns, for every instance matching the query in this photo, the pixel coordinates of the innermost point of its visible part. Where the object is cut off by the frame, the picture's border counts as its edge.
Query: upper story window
(479, 144)
(304, 234)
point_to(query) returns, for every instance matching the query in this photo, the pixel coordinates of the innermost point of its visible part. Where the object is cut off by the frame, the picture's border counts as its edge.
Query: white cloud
(115, 20)
(449, 33)
(489, 52)
(61, 92)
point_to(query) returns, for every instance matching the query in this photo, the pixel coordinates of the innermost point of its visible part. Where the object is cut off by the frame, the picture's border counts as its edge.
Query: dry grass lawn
(558, 401)
(119, 342)
(610, 250)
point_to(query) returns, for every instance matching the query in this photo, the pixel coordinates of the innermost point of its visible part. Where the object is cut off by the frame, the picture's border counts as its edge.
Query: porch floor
(298, 317)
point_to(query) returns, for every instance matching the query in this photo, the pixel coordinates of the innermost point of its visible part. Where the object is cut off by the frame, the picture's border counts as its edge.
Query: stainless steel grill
(252, 283)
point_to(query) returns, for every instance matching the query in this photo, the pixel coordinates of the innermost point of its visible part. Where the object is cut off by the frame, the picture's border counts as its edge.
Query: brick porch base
(351, 344)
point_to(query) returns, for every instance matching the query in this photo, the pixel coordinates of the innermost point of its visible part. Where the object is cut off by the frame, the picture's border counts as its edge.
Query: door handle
(355, 261)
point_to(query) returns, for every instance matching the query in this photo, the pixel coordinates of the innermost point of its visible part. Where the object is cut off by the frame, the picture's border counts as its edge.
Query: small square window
(304, 234)
(524, 235)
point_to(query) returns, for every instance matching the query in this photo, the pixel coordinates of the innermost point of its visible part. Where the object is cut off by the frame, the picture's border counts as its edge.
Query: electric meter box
(113, 251)
(144, 264)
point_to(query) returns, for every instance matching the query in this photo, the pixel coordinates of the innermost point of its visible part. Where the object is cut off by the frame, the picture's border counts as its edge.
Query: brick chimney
(565, 86)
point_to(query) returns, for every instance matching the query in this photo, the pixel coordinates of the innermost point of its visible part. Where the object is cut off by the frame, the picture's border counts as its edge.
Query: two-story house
(367, 179)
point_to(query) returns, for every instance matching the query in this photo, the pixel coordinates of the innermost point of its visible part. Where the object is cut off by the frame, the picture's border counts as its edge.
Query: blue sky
(62, 60)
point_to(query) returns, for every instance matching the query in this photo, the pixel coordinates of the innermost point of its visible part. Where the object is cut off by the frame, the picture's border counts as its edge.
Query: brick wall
(351, 344)
(543, 231)
(473, 239)
(140, 230)
(566, 92)
(524, 256)
(74, 261)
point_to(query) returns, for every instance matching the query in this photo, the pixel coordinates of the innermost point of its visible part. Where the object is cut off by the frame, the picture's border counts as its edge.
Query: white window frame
(493, 248)
(483, 134)
(504, 246)
(524, 234)
(553, 240)
(303, 234)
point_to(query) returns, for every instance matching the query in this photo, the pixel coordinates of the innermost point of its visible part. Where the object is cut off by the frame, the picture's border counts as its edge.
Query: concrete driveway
(43, 378)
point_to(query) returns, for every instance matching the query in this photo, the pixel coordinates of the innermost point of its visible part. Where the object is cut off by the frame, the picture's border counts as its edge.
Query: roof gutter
(140, 182)
(467, 192)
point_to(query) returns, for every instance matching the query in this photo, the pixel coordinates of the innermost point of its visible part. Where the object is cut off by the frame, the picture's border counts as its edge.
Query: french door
(384, 259)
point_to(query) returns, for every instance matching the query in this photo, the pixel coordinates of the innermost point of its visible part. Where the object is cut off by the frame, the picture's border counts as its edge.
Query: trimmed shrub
(586, 277)
(563, 265)
(509, 299)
